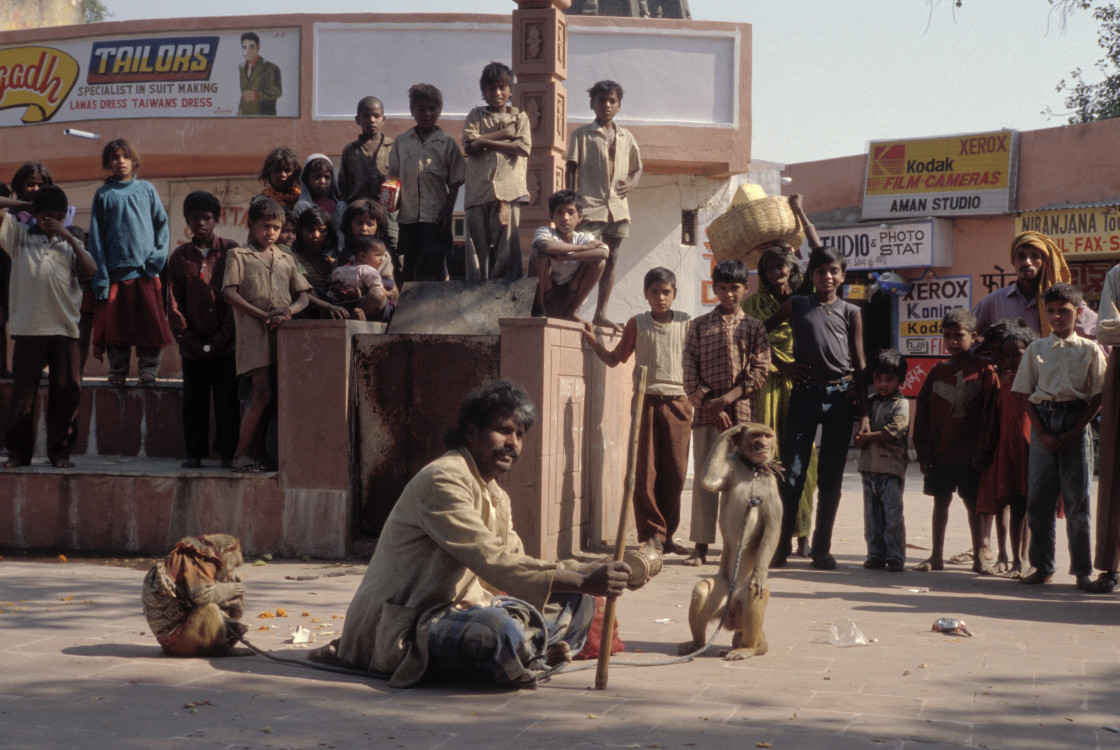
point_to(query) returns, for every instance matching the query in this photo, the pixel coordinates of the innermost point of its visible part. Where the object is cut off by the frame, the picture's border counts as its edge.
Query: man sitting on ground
(429, 604)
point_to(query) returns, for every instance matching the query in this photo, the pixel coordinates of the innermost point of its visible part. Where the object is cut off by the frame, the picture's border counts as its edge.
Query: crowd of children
(1002, 422)
(321, 242)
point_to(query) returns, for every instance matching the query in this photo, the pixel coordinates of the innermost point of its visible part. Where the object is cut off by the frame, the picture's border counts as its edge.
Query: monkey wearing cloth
(193, 598)
(750, 517)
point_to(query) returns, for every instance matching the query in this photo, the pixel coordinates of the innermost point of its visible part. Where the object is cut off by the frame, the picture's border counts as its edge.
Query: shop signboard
(903, 244)
(1086, 233)
(959, 175)
(921, 310)
(174, 75)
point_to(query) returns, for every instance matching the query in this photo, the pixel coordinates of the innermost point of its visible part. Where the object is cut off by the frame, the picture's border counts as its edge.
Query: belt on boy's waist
(1062, 404)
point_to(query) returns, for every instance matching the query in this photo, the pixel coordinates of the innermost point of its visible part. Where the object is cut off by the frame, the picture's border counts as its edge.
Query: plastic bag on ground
(846, 634)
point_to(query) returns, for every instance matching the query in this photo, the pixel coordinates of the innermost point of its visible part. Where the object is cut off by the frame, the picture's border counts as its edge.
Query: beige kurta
(598, 175)
(492, 175)
(265, 286)
(449, 540)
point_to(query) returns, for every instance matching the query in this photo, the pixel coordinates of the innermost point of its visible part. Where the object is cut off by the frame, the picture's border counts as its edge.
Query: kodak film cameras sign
(949, 176)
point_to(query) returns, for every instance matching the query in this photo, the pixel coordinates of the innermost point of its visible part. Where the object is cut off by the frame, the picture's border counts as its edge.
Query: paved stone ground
(81, 670)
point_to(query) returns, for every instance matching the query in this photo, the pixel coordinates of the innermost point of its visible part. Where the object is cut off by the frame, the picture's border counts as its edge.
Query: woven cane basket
(745, 227)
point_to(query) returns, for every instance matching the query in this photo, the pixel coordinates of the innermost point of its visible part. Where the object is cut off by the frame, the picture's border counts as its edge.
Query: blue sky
(831, 75)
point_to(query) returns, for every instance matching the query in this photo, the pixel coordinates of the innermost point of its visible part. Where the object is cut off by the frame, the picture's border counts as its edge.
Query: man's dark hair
(418, 91)
(605, 87)
(889, 362)
(201, 201)
(49, 198)
(251, 36)
(1063, 292)
(659, 274)
(495, 73)
(731, 271)
(564, 198)
(823, 256)
(496, 399)
(960, 317)
(264, 207)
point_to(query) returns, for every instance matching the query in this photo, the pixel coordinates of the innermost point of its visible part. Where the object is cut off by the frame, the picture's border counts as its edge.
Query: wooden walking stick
(623, 523)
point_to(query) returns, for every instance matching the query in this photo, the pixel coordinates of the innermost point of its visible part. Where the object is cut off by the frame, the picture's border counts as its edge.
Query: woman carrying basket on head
(779, 277)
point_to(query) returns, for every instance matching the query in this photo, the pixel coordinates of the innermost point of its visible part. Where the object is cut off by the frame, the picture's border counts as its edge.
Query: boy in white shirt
(1061, 376)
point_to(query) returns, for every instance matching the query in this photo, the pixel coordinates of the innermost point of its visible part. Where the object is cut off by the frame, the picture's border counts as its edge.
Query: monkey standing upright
(750, 517)
(193, 598)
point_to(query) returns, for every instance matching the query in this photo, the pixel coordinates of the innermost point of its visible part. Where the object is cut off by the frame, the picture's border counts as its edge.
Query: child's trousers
(201, 378)
(1066, 473)
(64, 393)
(883, 527)
(662, 465)
(811, 405)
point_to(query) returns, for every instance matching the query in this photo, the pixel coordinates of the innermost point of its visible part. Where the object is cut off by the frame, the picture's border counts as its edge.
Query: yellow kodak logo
(38, 78)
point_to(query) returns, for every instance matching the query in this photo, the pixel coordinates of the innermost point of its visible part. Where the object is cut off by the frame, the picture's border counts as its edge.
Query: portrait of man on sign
(260, 79)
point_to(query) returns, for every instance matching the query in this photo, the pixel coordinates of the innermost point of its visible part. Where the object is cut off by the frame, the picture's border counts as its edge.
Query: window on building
(688, 228)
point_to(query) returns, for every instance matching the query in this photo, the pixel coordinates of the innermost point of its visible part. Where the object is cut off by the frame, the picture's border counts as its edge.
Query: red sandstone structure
(134, 80)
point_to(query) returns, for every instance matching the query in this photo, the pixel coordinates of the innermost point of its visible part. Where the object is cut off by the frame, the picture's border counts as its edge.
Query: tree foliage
(1086, 101)
(95, 10)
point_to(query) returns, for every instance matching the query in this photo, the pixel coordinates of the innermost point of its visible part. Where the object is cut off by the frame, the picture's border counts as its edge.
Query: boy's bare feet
(930, 565)
(698, 557)
(803, 549)
(982, 568)
(1036, 576)
(62, 463)
(961, 558)
(599, 320)
(14, 463)
(116, 379)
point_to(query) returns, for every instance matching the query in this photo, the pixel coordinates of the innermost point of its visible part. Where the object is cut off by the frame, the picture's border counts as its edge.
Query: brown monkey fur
(747, 472)
(193, 598)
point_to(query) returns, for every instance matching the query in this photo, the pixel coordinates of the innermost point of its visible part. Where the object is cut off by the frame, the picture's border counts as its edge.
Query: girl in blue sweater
(128, 237)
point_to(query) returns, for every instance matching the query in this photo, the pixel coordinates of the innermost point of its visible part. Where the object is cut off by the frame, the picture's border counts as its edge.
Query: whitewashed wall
(661, 64)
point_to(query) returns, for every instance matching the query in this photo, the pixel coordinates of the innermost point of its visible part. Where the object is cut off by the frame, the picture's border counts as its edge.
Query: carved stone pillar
(540, 62)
